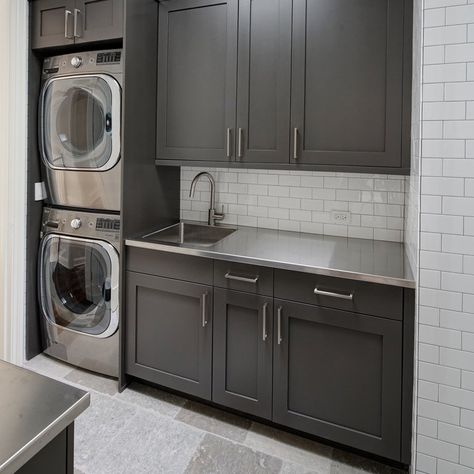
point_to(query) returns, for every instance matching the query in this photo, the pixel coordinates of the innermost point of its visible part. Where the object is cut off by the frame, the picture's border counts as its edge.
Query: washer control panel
(109, 62)
(81, 223)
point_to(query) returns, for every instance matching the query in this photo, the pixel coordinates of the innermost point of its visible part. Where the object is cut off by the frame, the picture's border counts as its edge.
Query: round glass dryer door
(79, 284)
(80, 122)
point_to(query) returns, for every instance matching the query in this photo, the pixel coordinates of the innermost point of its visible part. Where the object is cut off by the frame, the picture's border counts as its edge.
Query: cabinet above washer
(57, 23)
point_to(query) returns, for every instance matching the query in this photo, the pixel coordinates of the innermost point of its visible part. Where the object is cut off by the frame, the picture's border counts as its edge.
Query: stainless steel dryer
(79, 288)
(80, 129)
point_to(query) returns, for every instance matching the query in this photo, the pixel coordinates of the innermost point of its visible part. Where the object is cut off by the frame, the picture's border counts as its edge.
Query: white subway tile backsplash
(444, 110)
(459, 91)
(444, 73)
(445, 35)
(434, 92)
(467, 418)
(456, 397)
(457, 53)
(302, 201)
(439, 448)
(435, 17)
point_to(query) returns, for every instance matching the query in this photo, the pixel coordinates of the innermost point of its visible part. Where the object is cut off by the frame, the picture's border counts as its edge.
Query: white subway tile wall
(445, 418)
(301, 201)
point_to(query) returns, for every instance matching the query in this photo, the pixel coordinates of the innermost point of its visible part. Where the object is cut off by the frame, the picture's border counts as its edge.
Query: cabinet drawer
(350, 295)
(170, 265)
(242, 277)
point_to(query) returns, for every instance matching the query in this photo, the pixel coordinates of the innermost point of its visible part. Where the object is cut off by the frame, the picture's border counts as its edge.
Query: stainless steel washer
(80, 129)
(79, 288)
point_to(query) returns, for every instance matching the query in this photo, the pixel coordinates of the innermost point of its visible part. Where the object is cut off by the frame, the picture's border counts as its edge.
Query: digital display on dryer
(107, 224)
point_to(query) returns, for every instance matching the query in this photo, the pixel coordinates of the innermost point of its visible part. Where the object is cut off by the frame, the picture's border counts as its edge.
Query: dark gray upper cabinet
(242, 368)
(169, 332)
(337, 375)
(52, 23)
(347, 82)
(197, 71)
(314, 84)
(264, 65)
(99, 20)
(57, 23)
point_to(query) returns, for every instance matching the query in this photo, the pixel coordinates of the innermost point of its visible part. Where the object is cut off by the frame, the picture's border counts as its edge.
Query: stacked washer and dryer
(80, 145)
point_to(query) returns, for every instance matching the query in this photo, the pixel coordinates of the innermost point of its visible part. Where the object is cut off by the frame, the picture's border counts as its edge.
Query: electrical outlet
(341, 217)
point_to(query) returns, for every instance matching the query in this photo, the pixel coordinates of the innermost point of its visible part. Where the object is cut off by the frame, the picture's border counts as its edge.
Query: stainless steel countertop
(373, 261)
(33, 411)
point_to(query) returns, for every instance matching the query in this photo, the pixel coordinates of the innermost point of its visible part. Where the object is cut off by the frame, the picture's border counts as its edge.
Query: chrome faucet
(213, 216)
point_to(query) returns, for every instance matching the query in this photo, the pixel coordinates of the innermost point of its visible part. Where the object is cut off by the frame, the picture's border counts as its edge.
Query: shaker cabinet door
(197, 71)
(52, 23)
(242, 367)
(347, 82)
(337, 375)
(169, 333)
(99, 20)
(264, 73)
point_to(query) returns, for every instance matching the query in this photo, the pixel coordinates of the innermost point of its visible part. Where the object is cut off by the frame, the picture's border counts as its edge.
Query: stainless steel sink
(192, 234)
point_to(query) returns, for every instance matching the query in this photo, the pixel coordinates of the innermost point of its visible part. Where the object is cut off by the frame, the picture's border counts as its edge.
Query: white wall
(445, 422)
(13, 92)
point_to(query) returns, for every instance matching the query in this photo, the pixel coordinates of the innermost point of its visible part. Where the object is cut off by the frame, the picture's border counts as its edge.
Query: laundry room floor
(146, 430)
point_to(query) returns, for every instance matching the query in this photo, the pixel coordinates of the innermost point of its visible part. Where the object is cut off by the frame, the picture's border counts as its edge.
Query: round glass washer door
(80, 122)
(79, 284)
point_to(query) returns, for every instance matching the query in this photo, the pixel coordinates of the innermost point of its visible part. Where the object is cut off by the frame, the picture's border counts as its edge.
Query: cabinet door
(243, 334)
(169, 333)
(337, 375)
(99, 20)
(347, 82)
(52, 23)
(263, 104)
(197, 69)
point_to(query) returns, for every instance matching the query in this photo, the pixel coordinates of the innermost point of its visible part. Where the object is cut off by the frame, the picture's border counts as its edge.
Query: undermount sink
(192, 234)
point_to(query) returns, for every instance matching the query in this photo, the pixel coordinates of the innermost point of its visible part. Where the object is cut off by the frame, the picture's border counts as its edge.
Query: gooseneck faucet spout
(213, 216)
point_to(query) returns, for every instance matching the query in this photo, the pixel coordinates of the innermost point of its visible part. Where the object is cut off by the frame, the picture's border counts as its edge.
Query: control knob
(76, 61)
(76, 223)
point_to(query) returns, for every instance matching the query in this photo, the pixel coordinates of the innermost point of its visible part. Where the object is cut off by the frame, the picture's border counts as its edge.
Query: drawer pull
(229, 276)
(342, 296)
(204, 309)
(264, 335)
(280, 339)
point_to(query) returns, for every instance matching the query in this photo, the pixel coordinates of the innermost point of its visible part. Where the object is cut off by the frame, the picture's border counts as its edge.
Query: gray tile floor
(146, 430)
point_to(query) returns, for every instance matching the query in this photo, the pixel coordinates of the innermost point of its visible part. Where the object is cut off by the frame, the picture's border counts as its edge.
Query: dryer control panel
(81, 223)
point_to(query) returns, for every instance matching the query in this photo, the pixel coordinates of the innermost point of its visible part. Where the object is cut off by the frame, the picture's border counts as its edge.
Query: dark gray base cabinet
(337, 374)
(169, 333)
(57, 457)
(57, 23)
(336, 364)
(243, 345)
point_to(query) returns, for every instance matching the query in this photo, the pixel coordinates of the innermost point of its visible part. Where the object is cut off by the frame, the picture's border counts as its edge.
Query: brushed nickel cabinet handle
(228, 138)
(264, 317)
(77, 12)
(295, 143)
(332, 294)
(239, 143)
(280, 339)
(229, 276)
(66, 23)
(204, 309)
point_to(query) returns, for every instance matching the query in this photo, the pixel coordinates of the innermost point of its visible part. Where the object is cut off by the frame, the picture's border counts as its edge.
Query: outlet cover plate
(341, 217)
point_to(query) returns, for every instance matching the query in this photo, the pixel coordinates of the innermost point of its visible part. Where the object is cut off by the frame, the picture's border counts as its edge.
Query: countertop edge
(370, 278)
(29, 450)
